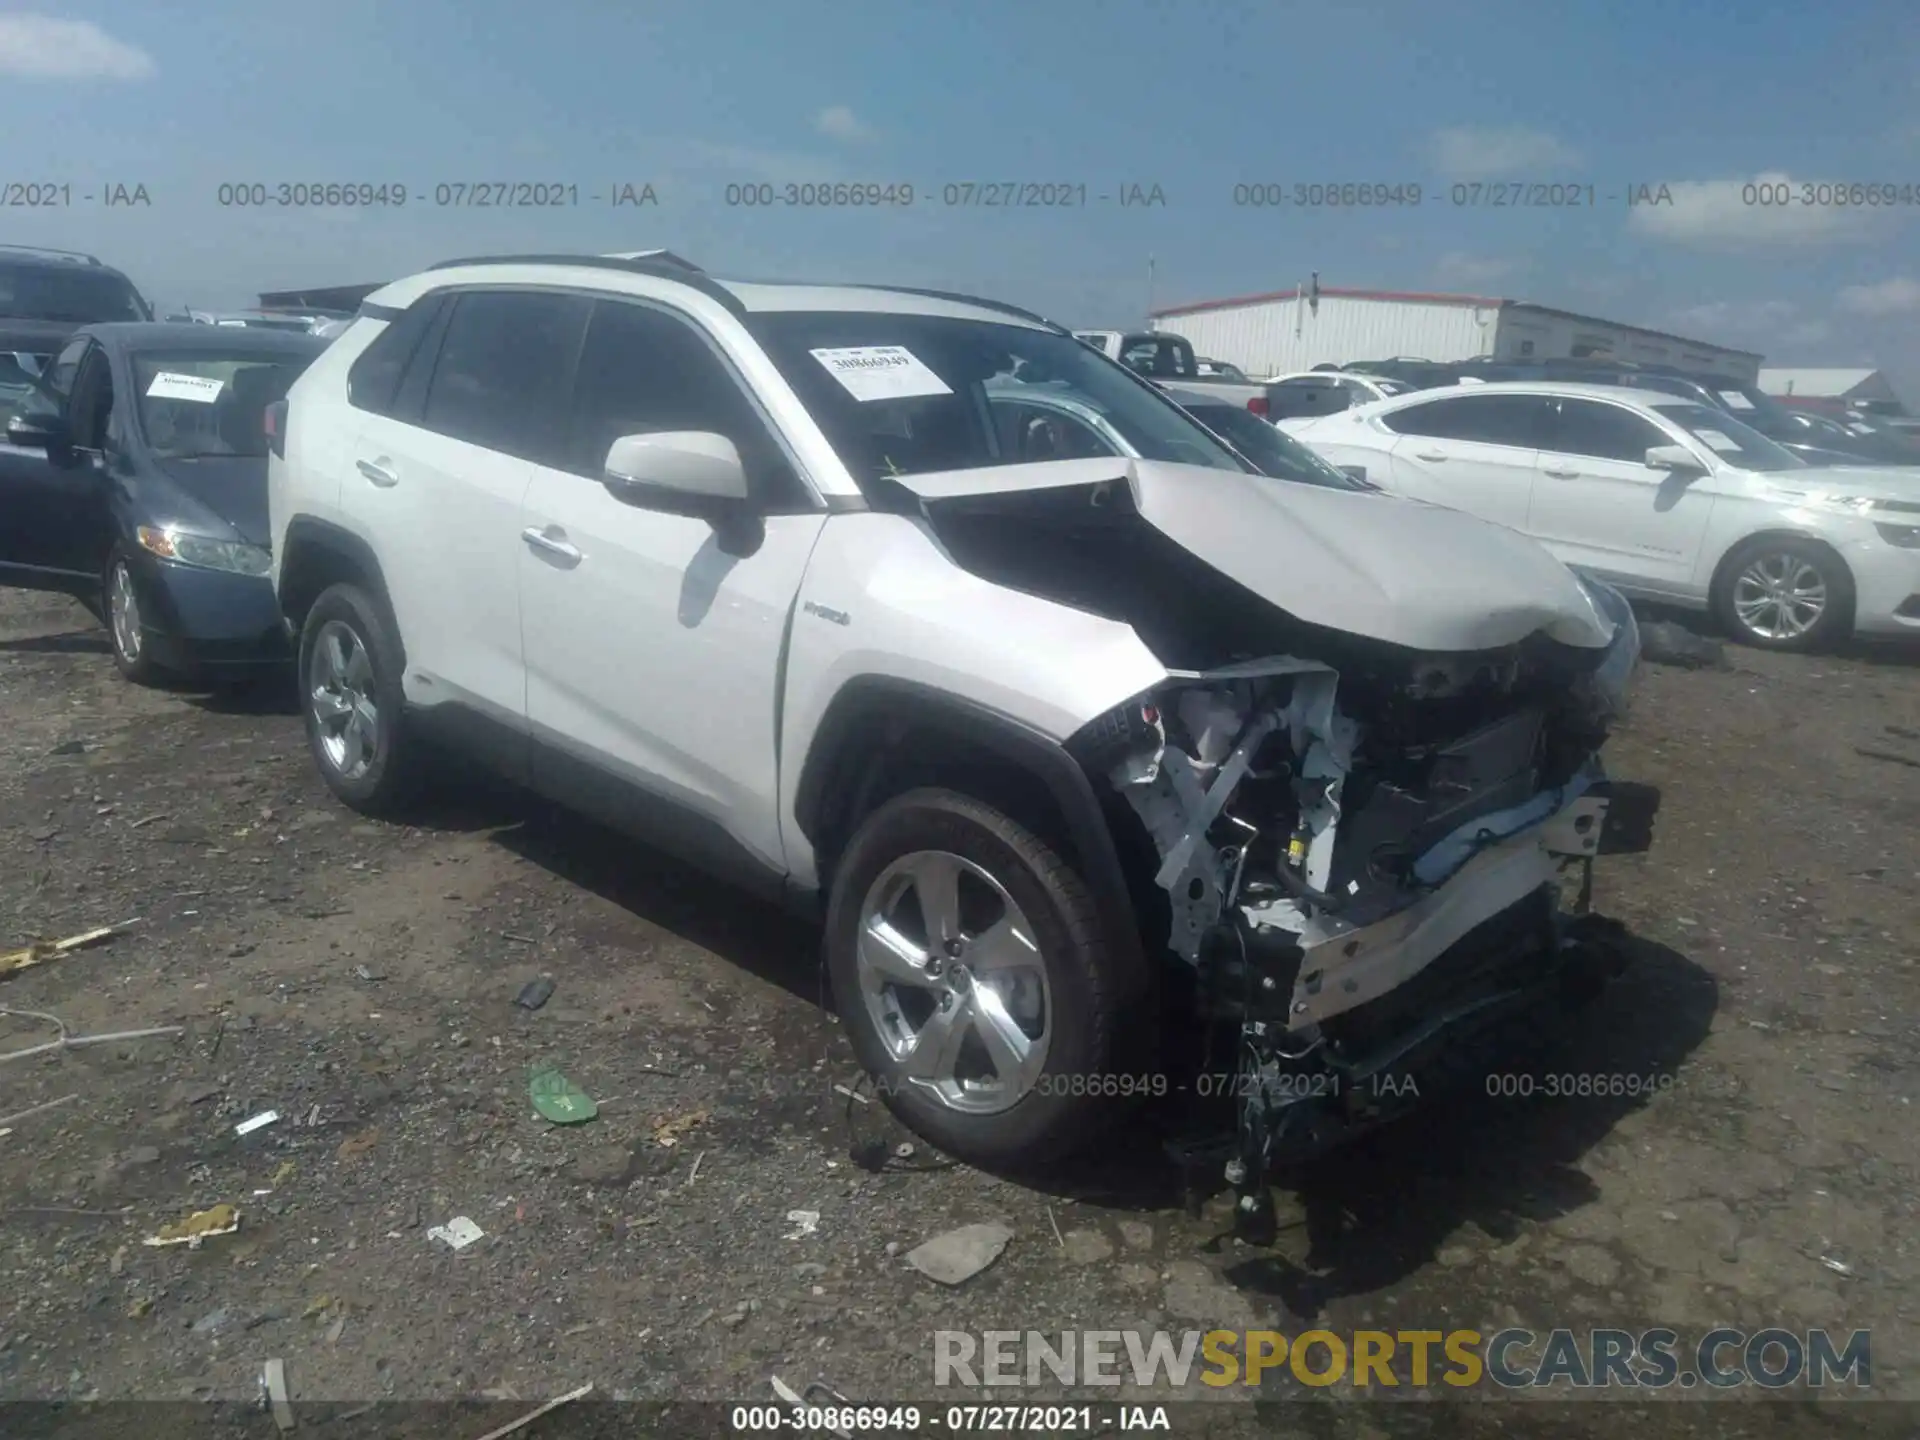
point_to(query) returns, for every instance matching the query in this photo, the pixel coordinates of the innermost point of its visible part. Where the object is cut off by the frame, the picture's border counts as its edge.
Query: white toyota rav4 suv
(1066, 753)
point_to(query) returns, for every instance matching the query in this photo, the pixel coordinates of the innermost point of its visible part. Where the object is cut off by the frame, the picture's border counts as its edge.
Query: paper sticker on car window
(881, 372)
(169, 386)
(1735, 400)
(1860, 429)
(1718, 441)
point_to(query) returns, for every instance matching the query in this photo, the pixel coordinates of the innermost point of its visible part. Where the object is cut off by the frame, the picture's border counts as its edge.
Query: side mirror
(679, 472)
(1675, 458)
(38, 430)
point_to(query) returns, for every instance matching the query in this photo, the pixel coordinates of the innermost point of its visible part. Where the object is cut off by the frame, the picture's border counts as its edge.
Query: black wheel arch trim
(305, 535)
(835, 781)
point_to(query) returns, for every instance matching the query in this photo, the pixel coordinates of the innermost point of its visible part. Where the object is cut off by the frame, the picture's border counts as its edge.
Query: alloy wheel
(953, 980)
(341, 701)
(123, 612)
(1779, 596)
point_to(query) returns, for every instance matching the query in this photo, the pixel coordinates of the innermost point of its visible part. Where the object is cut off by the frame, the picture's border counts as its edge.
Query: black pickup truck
(46, 295)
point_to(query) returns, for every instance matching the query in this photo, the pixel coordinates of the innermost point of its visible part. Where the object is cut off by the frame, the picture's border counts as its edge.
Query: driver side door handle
(1432, 455)
(377, 474)
(1559, 474)
(551, 543)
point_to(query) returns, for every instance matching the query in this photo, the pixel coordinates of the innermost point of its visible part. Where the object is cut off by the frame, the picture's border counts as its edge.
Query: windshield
(1728, 438)
(66, 294)
(1272, 452)
(210, 403)
(911, 394)
(1159, 357)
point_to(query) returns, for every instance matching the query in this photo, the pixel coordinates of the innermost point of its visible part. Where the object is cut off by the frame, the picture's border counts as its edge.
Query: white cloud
(1459, 268)
(1728, 214)
(45, 48)
(1897, 296)
(1767, 325)
(1467, 152)
(1731, 317)
(838, 122)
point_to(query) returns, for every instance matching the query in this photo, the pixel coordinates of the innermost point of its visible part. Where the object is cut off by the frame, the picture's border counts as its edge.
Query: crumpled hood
(1366, 563)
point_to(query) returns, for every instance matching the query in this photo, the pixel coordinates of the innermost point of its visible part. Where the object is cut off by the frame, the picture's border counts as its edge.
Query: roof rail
(959, 299)
(664, 266)
(49, 250)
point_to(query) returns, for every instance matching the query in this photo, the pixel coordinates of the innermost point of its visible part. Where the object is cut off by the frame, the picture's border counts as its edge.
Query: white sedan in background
(1662, 497)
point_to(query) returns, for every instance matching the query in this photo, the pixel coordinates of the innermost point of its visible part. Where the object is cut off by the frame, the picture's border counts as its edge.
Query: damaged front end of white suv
(1362, 782)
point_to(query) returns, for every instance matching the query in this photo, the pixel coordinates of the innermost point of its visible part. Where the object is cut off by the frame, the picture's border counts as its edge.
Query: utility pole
(1149, 292)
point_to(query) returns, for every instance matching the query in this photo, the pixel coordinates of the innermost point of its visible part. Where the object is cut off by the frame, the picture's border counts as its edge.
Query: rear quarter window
(373, 380)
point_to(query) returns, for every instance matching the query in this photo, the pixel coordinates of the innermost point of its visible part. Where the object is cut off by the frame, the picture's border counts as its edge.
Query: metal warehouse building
(1297, 329)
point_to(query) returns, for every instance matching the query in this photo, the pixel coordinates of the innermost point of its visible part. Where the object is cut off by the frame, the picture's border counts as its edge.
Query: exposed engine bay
(1316, 863)
(1360, 843)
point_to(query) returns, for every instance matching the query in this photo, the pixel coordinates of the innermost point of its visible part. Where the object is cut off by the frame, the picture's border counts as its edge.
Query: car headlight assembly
(205, 553)
(1613, 679)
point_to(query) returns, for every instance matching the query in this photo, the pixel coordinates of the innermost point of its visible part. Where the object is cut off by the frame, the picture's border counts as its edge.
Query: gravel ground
(359, 980)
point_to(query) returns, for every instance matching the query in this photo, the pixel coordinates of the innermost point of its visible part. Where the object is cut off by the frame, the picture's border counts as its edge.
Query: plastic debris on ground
(199, 1226)
(958, 1255)
(804, 1222)
(273, 1380)
(559, 1099)
(1664, 643)
(534, 994)
(40, 952)
(670, 1130)
(533, 1415)
(457, 1233)
(256, 1122)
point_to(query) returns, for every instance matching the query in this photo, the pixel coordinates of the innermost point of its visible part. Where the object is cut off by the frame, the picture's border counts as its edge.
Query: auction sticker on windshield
(1735, 400)
(1717, 440)
(169, 386)
(881, 372)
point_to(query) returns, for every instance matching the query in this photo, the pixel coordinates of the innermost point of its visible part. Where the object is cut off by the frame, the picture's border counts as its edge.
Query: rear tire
(352, 703)
(1012, 1071)
(1780, 592)
(122, 607)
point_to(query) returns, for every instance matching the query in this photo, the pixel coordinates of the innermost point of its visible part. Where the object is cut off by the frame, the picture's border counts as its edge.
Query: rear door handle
(1560, 474)
(1430, 455)
(550, 544)
(378, 474)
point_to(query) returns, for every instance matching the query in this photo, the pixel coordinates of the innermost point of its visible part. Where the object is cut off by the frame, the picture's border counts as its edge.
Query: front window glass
(900, 394)
(207, 403)
(1734, 442)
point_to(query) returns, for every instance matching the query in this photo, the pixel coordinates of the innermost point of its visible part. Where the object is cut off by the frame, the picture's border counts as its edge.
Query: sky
(1194, 97)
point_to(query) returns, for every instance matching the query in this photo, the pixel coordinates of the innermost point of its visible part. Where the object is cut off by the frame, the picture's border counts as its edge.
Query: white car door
(1469, 452)
(440, 479)
(654, 640)
(1598, 504)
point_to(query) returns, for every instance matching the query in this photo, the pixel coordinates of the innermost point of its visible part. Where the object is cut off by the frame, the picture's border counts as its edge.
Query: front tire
(352, 702)
(123, 610)
(1778, 592)
(968, 966)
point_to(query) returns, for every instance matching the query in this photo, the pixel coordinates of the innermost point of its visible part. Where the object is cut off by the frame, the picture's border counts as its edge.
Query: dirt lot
(359, 980)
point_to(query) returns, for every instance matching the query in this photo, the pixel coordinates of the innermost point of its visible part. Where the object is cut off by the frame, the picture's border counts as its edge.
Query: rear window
(67, 294)
(1159, 357)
